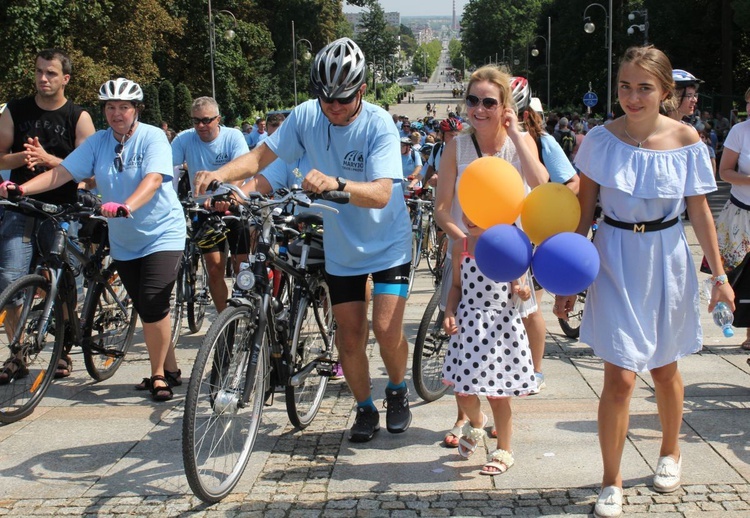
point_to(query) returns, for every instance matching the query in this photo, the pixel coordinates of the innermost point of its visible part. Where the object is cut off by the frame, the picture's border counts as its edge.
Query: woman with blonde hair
(495, 131)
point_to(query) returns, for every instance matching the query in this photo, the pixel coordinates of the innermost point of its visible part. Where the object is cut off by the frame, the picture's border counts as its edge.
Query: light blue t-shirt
(358, 240)
(284, 175)
(158, 225)
(558, 165)
(207, 156)
(253, 138)
(410, 161)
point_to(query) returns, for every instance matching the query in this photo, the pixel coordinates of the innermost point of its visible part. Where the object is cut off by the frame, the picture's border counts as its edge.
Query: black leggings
(149, 281)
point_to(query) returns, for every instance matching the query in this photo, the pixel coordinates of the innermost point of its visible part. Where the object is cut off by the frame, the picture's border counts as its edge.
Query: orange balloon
(549, 209)
(491, 192)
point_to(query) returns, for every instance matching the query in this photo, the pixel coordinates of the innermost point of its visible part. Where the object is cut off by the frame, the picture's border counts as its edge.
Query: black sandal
(13, 369)
(145, 384)
(174, 378)
(160, 393)
(64, 367)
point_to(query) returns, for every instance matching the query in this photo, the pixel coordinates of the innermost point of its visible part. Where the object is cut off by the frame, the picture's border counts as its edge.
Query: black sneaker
(365, 425)
(397, 415)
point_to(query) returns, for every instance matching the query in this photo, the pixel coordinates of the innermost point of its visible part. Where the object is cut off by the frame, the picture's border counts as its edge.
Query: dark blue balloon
(503, 253)
(566, 263)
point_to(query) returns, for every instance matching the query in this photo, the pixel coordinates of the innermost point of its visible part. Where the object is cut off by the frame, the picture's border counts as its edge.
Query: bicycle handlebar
(294, 195)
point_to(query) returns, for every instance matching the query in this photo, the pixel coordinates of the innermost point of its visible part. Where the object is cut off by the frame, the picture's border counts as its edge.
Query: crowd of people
(339, 142)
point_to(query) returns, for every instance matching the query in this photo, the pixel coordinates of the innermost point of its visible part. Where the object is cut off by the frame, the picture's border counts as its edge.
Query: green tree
(183, 102)
(151, 113)
(166, 101)
(377, 39)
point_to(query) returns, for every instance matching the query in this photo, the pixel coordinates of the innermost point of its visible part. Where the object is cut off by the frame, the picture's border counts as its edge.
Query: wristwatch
(342, 183)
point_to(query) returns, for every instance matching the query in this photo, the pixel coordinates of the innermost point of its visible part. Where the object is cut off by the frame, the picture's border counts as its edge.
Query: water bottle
(723, 318)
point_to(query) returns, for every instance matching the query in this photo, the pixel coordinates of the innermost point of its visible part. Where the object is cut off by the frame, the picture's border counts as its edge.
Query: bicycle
(258, 344)
(430, 347)
(191, 294)
(38, 311)
(416, 206)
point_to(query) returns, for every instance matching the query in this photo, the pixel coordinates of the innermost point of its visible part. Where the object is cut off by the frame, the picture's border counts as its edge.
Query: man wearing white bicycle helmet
(351, 146)
(686, 95)
(132, 164)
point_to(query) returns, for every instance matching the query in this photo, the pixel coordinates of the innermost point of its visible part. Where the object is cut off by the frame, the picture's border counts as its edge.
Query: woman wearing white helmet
(132, 164)
(686, 95)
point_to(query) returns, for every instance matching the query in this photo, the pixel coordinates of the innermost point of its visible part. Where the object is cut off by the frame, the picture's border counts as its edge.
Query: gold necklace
(640, 143)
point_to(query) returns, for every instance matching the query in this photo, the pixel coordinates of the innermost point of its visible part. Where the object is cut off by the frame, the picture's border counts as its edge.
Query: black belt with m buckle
(645, 226)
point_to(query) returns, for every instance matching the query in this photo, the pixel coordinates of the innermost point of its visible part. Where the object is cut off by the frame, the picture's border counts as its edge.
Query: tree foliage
(377, 39)
(166, 102)
(183, 102)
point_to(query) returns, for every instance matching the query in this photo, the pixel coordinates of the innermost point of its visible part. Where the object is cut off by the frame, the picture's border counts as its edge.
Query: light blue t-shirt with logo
(358, 240)
(284, 175)
(187, 147)
(157, 226)
(410, 161)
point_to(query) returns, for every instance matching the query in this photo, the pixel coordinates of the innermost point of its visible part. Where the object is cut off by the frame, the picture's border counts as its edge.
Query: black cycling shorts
(149, 281)
(393, 281)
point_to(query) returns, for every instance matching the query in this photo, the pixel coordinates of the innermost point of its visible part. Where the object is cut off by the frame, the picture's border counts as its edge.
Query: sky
(417, 8)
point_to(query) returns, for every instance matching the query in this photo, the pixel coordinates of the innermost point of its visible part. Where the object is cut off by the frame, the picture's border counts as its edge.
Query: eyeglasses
(345, 100)
(118, 159)
(691, 96)
(489, 103)
(205, 120)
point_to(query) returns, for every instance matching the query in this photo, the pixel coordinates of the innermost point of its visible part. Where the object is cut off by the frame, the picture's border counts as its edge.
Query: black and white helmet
(120, 89)
(339, 70)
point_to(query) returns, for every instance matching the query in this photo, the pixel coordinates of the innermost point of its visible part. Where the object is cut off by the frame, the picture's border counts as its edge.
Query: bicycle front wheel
(198, 295)
(429, 352)
(109, 321)
(34, 342)
(177, 309)
(432, 239)
(572, 326)
(311, 358)
(218, 429)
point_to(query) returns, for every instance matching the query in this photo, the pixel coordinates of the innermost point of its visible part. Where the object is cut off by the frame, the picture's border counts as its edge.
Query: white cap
(536, 105)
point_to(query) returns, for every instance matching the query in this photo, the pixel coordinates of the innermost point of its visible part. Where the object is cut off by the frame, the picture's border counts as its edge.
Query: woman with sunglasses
(495, 131)
(132, 164)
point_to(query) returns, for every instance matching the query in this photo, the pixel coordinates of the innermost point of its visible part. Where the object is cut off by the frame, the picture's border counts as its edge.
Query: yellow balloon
(549, 209)
(491, 192)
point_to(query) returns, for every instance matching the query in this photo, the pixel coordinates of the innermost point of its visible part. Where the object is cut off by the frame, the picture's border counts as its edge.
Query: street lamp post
(296, 42)
(535, 53)
(229, 34)
(589, 27)
(643, 27)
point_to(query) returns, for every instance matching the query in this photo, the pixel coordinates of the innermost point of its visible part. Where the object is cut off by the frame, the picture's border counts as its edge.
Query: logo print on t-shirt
(222, 158)
(354, 161)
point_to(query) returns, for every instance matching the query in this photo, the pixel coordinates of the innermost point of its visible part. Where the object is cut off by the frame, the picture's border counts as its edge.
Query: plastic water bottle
(723, 318)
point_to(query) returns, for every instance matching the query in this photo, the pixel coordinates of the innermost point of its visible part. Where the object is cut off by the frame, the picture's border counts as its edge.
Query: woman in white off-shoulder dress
(642, 311)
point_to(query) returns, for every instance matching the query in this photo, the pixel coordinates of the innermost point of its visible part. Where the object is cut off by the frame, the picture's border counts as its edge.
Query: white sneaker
(667, 476)
(609, 503)
(540, 384)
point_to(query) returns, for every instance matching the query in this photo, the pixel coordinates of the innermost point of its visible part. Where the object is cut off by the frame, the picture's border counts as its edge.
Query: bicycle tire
(416, 252)
(432, 250)
(217, 434)
(20, 396)
(572, 327)
(107, 326)
(177, 308)
(303, 401)
(430, 347)
(198, 297)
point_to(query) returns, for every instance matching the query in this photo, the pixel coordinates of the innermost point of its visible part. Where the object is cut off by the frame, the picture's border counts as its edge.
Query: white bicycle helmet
(519, 86)
(120, 89)
(683, 78)
(339, 70)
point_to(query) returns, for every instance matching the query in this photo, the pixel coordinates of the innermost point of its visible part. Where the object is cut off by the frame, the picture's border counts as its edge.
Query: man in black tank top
(36, 133)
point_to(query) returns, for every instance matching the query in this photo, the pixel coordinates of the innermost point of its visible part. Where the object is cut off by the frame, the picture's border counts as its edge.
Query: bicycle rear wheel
(218, 431)
(416, 253)
(429, 352)
(24, 335)
(432, 243)
(177, 308)
(572, 326)
(197, 294)
(109, 322)
(304, 394)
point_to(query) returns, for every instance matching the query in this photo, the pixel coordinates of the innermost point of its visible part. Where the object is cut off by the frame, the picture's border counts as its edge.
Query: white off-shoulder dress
(643, 309)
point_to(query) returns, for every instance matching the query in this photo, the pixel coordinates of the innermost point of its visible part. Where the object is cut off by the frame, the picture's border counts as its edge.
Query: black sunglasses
(118, 158)
(205, 120)
(345, 100)
(489, 103)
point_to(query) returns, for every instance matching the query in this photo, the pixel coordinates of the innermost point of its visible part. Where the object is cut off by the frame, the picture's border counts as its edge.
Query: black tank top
(56, 130)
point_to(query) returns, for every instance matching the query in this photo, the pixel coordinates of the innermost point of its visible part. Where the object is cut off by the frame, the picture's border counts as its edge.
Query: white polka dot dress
(489, 356)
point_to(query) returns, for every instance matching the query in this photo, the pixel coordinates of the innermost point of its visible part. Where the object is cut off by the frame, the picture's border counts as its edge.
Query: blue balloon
(503, 253)
(566, 263)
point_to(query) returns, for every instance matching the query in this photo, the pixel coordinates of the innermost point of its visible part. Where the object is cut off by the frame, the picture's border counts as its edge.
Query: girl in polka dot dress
(489, 352)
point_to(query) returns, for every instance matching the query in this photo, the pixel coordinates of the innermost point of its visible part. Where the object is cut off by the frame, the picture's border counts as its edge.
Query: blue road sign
(590, 99)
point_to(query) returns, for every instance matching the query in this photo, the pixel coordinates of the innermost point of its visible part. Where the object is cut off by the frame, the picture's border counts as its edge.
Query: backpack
(567, 142)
